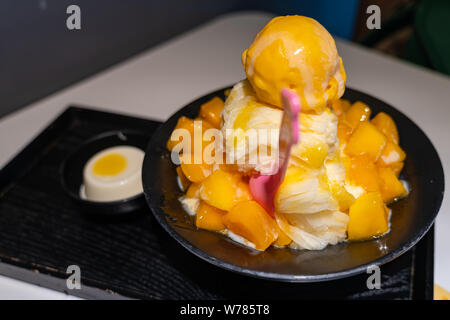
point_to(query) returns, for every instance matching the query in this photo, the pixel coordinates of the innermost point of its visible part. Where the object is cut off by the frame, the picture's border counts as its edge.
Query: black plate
(72, 172)
(411, 217)
(43, 231)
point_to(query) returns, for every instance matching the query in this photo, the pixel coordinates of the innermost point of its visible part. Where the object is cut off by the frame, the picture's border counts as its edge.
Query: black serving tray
(42, 232)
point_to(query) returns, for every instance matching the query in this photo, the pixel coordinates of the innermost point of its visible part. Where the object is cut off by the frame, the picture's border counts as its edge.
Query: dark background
(39, 55)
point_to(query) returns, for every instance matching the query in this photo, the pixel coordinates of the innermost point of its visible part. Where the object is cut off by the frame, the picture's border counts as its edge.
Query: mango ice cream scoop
(297, 53)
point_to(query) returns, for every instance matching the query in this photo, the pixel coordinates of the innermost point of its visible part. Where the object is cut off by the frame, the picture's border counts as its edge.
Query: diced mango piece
(195, 172)
(387, 126)
(209, 217)
(184, 182)
(390, 187)
(233, 168)
(344, 198)
(193, 191)
(358, 112)
(340, 107)
(242, 190)
(249, 220)
(183, 123)
(205, 142)
(197, 125)
(362, 172)
(205, 124)
(397, 167)
(367, 217)
(344, 132)
(366, 140)
(282, 239)
(224, 189)
(211, 111)
(315, 156)
(391, 154)
(440, 293)
(386, 211)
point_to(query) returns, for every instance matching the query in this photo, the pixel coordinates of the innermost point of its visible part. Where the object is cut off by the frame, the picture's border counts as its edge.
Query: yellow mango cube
(387, 126)
(232, 168)
(358, 112)
(344, 132)
(366, 140)
(209, 217)
(397, 167)
(182, 123)
(282, 239)
(340, 106)
(315, 156)
(242, 190)
(204, 123)
(343, 197)
(361, 171)
(391, 154)
(195, 172)
(198, 125)
(211, 110)
(249, 220)
(193, 191)
(184, 182)
(224, 189)
(390, 187)
(367, 217)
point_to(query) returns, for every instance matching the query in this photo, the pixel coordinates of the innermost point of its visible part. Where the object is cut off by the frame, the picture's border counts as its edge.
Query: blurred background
(39, 57)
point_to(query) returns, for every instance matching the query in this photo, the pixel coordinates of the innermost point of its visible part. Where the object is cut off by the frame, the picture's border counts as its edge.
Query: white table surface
(159, 81)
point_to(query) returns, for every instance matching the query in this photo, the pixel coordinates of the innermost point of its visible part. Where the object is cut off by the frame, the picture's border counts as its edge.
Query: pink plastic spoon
(264, 187)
